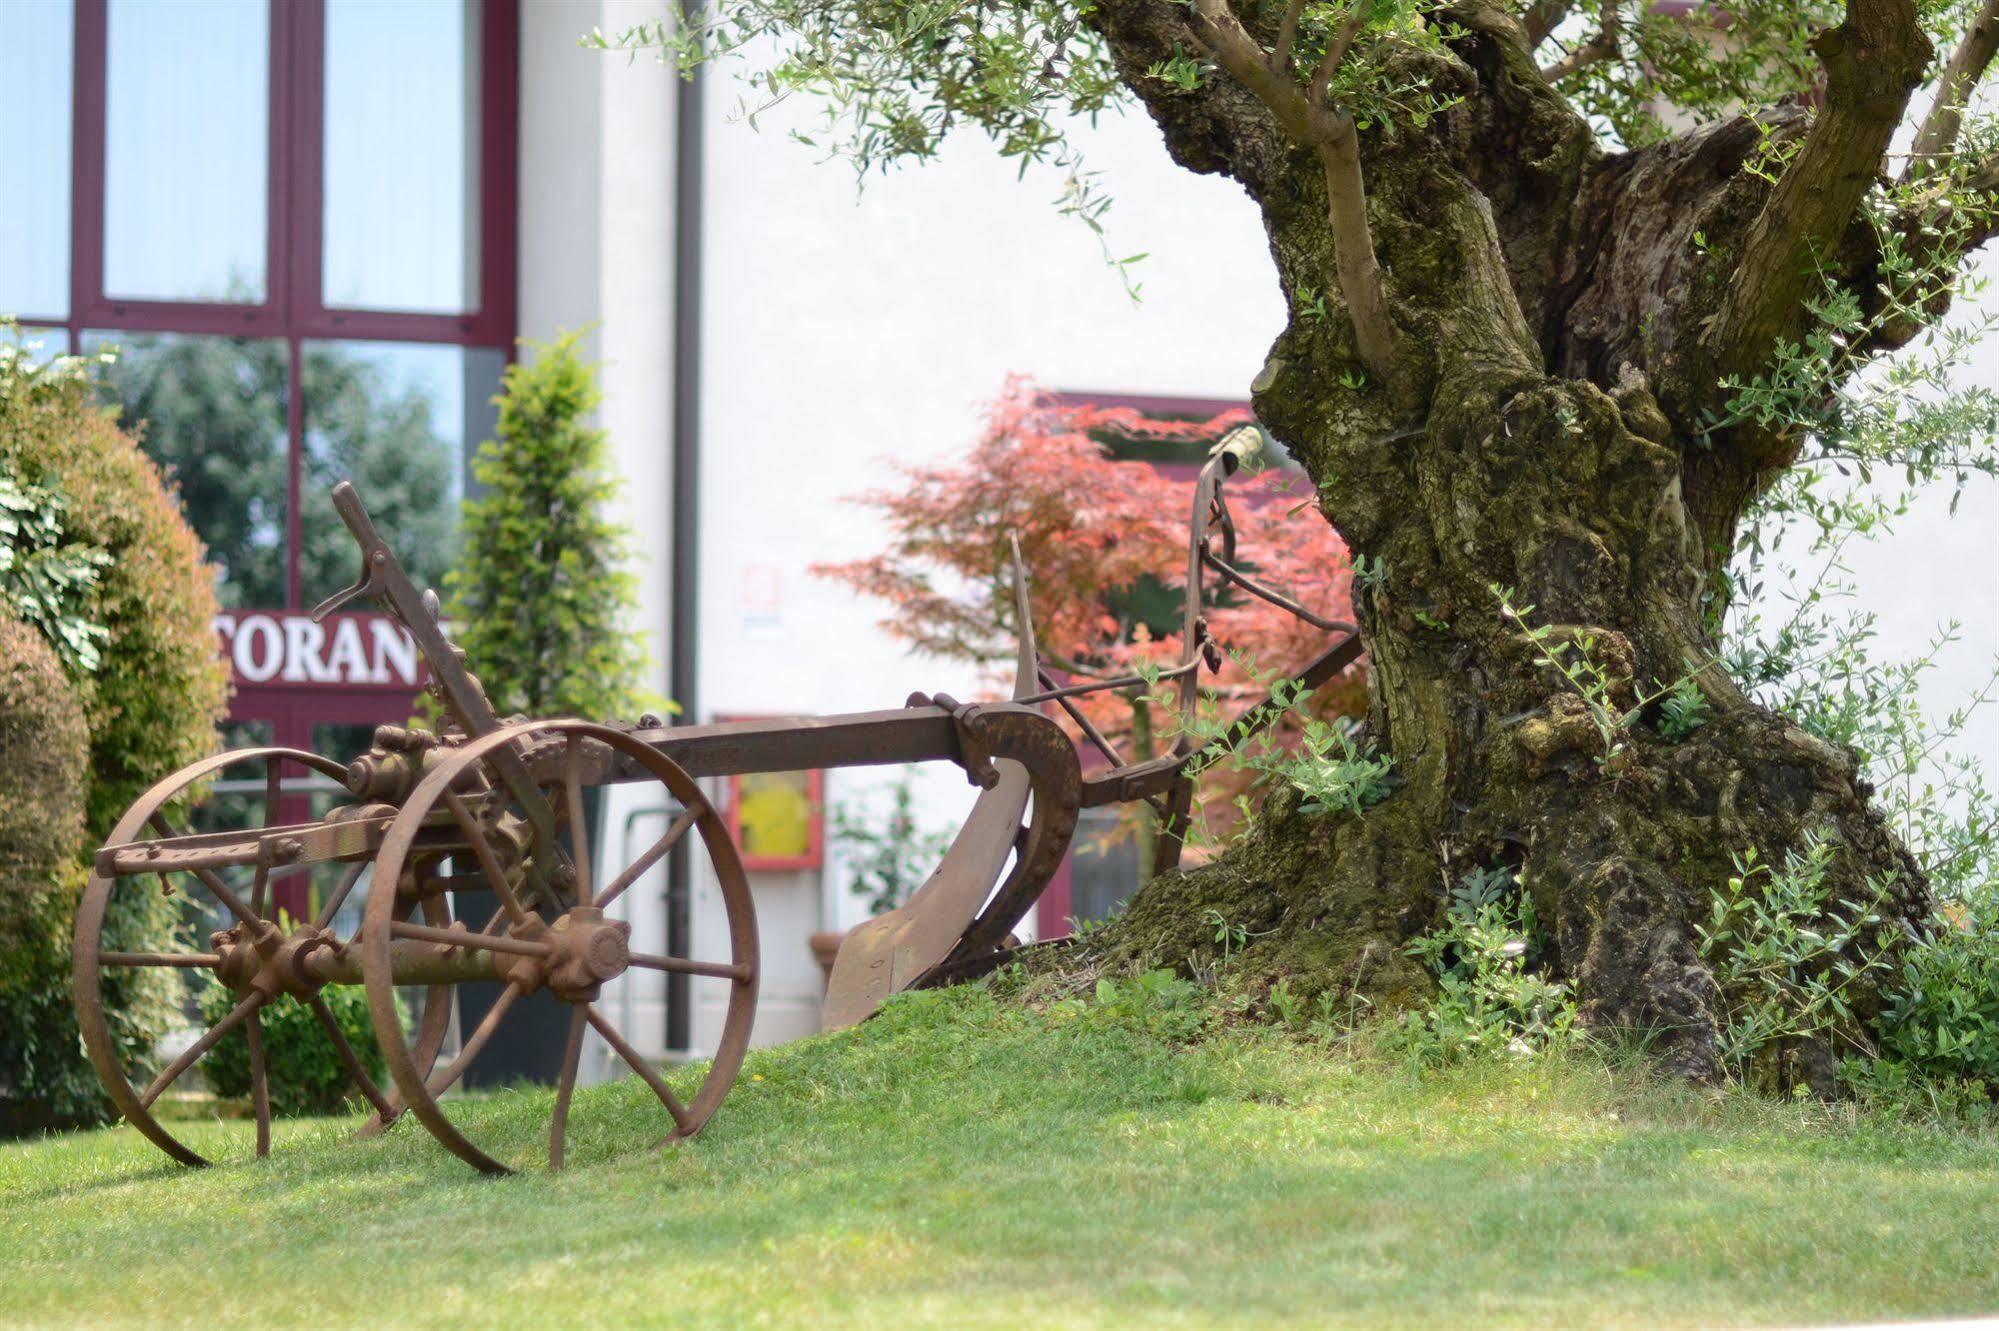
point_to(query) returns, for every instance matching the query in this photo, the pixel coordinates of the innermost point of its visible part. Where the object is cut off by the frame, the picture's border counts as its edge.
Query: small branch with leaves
(1604, 45)
(1309, 115)
(1872, 61)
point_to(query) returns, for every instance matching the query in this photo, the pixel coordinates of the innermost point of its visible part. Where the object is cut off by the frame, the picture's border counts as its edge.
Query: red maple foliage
(1104, 545)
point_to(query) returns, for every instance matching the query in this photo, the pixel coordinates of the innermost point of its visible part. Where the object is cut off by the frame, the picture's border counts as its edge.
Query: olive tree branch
(1873, 61)
(1336, 52)
(1938, 134)
(1287, 34)
(1329, 130)
(1605, 45)
(1541, 20)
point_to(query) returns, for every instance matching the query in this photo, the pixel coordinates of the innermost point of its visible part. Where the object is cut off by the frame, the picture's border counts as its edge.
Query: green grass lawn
(963, 1162)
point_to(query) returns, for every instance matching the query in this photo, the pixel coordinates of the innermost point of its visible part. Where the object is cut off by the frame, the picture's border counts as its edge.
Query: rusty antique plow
(498, 806)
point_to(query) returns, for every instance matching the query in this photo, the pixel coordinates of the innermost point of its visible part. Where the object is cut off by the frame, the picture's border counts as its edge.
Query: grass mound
(964, 1161)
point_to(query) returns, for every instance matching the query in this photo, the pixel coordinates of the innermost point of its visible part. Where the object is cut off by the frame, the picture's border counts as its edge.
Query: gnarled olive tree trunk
(1516, 397)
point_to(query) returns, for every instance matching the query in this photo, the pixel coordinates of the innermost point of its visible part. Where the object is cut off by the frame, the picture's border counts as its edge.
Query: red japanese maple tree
(1104, 546)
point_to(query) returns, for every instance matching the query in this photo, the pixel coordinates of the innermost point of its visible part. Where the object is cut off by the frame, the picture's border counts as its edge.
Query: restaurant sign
(286, 649)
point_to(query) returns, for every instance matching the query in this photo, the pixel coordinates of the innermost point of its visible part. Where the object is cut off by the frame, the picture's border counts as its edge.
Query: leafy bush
(306, 1075)
(43, 761)
(43, 747)
(1492, 994)
(1784, 957)
(888, 857)
(149, 706)
(541, 590)
(1942, 1017)
(46, 579)
(160, 689)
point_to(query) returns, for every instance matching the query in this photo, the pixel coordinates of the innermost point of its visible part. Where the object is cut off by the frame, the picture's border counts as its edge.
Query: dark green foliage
(47, 579)
(150, 707)
(887, 857)
(1942, 1019)
(540, 590)
(42, 754)
(305, 1073)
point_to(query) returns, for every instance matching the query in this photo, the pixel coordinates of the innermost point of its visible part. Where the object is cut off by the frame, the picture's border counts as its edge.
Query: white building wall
(596, 235)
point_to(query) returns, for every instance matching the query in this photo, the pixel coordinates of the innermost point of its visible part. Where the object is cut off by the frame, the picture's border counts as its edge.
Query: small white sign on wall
(762, 597)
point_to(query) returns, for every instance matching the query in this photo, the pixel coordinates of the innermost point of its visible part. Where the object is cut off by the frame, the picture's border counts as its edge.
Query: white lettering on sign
(276, 646)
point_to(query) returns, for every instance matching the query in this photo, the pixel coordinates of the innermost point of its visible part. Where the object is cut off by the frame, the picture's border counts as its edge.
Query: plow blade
(885, 955)
(888, 953)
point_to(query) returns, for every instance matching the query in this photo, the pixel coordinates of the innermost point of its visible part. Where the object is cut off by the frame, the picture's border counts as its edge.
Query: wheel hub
(263, 957)
(584, 951)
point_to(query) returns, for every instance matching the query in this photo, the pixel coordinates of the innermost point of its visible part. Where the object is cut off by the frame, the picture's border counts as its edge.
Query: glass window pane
(402, 156)
(42, 345)
(1103, 865)
(397, 419)
(213, 413)
(35, 69)
(186, 150)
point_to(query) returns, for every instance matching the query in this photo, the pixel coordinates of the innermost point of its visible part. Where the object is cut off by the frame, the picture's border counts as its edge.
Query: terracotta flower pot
(825, 945)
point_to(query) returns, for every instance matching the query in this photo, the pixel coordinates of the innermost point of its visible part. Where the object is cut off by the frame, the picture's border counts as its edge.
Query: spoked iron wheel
(551, 931)
(253, 955)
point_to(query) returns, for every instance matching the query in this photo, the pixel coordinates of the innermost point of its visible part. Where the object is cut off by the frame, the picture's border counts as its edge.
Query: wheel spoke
(476, 1041)
(260, 1087)
(371, 1092)
(644, 862)
(184, 960)
(192, 1054)
(272, 780)
(272, 789)
(682, 966)
(259, 884)
(579, 828)
(209, 879)
(425, 933)
(572, 1055)
(339, 897)
(643, 1066)
(482, 850)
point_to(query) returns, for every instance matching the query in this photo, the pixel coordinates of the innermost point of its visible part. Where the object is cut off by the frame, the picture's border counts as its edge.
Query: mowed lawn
(965, 1162)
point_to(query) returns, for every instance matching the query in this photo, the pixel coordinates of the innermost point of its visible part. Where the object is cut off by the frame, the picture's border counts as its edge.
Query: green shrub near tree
(43, 751)
(306, 1075)
(147, 704)
(541, 593)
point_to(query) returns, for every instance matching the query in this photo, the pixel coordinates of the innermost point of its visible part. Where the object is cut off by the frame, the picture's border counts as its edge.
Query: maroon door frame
(294, 306)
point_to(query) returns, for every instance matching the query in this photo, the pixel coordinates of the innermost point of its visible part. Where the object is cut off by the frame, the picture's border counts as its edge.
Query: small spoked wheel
(550, 931)
(254, 952)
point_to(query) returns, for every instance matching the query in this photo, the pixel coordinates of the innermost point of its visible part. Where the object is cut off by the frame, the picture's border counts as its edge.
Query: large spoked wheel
(241, 791)
(551, 931)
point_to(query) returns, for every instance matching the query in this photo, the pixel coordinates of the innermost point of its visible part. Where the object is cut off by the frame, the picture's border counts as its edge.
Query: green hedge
(155, 701)
(44, 750)
(151, 705)
(306, 1075)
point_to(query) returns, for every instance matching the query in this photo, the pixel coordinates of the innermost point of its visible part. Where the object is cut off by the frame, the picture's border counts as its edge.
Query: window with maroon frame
(295, 221)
